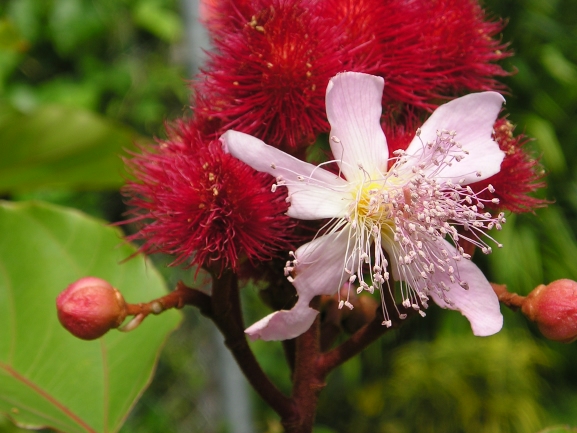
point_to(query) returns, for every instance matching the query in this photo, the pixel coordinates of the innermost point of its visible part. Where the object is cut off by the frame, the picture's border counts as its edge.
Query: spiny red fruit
(462, 45)
(554, 309)
(90, 307)
(426, 51)
(273, 59)
(202, 205)
(270, 69)
(520, 174)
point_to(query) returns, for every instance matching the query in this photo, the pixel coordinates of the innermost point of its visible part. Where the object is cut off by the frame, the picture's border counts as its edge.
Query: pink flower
(388, 221)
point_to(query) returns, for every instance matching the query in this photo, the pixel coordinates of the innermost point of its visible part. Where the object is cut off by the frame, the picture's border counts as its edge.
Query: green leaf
(548, 143)
(519, 263)
(558, 66)
(163, 23)
(47, 376)
(57, 146)
(74, 24)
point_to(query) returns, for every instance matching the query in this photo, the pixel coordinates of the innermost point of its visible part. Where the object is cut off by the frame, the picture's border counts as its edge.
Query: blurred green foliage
(454, 383)
(543, 103)
(121, 62)
(111, 57)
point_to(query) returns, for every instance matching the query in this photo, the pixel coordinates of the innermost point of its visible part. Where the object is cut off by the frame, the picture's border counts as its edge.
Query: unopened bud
(90, 307)
(554, 309)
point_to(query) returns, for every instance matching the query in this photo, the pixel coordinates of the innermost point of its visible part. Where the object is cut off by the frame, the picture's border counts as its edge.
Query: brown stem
(178, 298)
(226, 314)
(307, 382)
(511, 300)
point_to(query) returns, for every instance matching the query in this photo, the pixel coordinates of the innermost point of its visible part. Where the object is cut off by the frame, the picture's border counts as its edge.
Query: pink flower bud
(89, 307)
(554, 309)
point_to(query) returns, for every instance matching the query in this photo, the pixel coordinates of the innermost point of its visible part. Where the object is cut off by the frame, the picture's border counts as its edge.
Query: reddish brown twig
(226, 314)
(307, 382)
(178, 298)
(511, 300)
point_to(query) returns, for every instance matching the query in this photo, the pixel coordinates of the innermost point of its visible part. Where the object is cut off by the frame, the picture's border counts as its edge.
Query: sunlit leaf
(163, 23)
(47, 376)
(559, 429)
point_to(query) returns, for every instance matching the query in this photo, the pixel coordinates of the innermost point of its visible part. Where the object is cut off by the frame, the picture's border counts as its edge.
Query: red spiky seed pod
(426, 51)
(202, 205)
(269, 72)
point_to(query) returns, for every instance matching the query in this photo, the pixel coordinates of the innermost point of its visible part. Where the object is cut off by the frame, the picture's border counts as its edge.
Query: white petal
(314, 193)
(319, 272)
(354, 111)
(283, 325)
(321, 263)
(479, 303)
(472, 117)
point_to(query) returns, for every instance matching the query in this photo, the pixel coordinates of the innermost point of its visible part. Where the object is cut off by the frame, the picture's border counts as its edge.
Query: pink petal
(314, 193)
(284, 324)
(319, 272)
(472, 117)
(321, 263)
(354, 111)
(479, 303)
